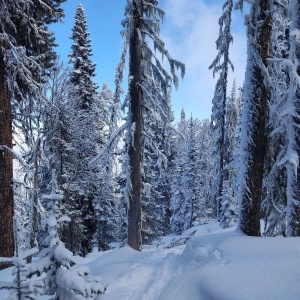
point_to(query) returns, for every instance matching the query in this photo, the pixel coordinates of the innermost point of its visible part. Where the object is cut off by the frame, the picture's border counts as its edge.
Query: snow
(213, 264)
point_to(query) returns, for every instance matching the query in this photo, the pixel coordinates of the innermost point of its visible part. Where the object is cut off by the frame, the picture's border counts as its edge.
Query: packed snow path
(223, 265)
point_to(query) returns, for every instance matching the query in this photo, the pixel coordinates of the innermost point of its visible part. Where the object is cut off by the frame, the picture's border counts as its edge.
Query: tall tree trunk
(6, 170)
(293, 177)
(35, 212)
(253, 135)
(135, 155)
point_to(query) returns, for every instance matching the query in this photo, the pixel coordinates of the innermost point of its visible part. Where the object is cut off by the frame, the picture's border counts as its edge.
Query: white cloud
(190, 31)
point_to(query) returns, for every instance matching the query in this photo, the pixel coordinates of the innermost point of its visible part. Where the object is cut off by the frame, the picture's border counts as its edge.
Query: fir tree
(61, 280)
(288, 128)
(229, 207)
(25, 55)
(274, 202)
(254, 118)
(148, 82)
(83, 68)
(221, 64)
(86, 114)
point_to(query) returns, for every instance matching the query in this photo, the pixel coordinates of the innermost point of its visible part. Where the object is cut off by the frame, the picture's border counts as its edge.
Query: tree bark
(35, 212)
(135, 148)
(293, 211)
(254, 136)
(6, 170)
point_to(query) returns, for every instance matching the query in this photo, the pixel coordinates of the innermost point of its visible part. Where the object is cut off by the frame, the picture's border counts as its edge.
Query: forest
(101, 189)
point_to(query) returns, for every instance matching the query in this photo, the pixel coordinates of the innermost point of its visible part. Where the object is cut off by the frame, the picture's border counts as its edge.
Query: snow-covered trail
(215, 264)
(225, 265)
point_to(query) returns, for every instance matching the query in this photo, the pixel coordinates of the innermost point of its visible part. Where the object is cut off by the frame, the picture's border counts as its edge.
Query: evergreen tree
(254, 118)
(84, 185)
(191, 179)
(83, 68)
(204, 206)
(288, 128)
(148, 82)
(25, 54)
(229, 208)
(61, 280)
(192, 194)
(178, 194)
(275, 202)
(106, 204)
(21, 288)
(221, 64)
(291, 159)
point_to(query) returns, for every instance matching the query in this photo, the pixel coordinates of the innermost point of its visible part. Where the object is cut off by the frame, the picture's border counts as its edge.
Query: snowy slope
(214, 264)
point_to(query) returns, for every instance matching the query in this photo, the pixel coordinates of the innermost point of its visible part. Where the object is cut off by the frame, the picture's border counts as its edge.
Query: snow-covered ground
(214, 264)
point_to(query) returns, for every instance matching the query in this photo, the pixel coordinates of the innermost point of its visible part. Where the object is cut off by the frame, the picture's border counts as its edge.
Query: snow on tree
(106, 203)
(292, 108)
(25, 54)
(85, 186)
(83, 68)
(221, 64)
(56, 147)
(204, 206)
(254, 116)
(148, 82)
(192, 197)
(178, 194)
(21, 288)
(288, 128)
(55, 261)
(229, 208)
(274, 202)
(190, 176)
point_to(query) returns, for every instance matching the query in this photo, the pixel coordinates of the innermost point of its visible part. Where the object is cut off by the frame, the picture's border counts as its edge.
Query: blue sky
(189, 30)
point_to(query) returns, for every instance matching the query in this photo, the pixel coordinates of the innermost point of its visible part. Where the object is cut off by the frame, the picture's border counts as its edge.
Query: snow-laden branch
(109, 143)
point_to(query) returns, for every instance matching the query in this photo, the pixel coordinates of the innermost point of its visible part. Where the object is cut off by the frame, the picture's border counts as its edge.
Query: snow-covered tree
(228, 206)
(221, 64)
(148, 83)
(55, 261)
(254, 116)
(21, 288)
(84, 185)
(25, 54)
(192, 194)
(106, 207)
(274, 201)
(288, 127)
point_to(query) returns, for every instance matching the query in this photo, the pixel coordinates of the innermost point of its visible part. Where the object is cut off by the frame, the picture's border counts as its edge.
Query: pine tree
(178, 192)
(191, 179)
(228, 205)
(106, 203)
(148, 82)
(21, 288)
(288, 128)
(291, 160)
(83, 68)
(61, 280)
(86, 110)
(25, 55)
(254, 118)
(192, 194)
(221, 64)
(275, 202)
